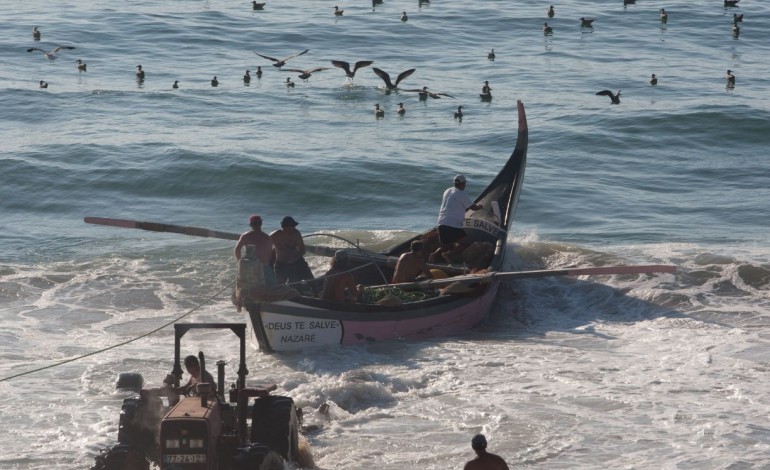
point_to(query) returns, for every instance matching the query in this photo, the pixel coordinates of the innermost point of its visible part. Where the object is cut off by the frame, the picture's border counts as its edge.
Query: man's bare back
(410, 265)
(487, 461)
(288, 243)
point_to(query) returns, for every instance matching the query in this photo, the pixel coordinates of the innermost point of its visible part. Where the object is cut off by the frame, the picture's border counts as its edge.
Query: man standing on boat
(484, 460)
(451, 221)
(288, 252)
(263, 244)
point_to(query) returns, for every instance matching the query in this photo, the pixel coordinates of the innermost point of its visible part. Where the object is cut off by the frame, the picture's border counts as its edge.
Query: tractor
(251, 429)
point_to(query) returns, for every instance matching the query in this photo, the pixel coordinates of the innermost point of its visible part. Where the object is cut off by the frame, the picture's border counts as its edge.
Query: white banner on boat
(483, 225)
(285, 332)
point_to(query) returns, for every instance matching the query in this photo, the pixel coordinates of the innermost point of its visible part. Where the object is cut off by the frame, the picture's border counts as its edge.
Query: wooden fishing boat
(284, 319)
(306, 320)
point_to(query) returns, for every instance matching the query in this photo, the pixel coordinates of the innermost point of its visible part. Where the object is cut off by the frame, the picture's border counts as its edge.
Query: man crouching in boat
(339, 284)
(411, 264)
(288, 252)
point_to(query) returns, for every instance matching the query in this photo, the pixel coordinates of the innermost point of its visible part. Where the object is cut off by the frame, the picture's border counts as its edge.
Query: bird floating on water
(337, 11)
(139, 72)
(615, 97)
(663, 16)
(424, 93)
(736, 30)
(459, 113)
(289, 83)
(386, 78)
(401, 110)
(730, 78)
(257, 6)
(731, 3)
(629, 2)
(653, 80)
(547, 29)
(258, 72)
(550, 12)
(378, 112)
(737, 18)
(491, 55)
(586, 22)
(346, 66)
(486, 91)
(404, 16)
(52, 54)
(36, 33)
(176, 84)
(43, 84)
(304, 74)
(280, 62)
(247, 77)
(81, 65)
(214, 81)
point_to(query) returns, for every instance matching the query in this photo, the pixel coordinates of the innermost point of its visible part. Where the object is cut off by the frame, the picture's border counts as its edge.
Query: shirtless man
(263, 244)
(340, 281)
(411, 264)
(484, 460)
(288, 251)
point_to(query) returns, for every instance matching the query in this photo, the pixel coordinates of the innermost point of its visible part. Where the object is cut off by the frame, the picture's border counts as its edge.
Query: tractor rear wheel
(121, 457)
(274, 423)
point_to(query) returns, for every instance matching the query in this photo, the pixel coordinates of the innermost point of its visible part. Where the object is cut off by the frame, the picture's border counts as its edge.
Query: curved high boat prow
(383, 315)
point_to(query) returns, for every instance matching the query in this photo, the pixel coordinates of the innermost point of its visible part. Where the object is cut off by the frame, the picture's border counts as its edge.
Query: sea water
(648, 371)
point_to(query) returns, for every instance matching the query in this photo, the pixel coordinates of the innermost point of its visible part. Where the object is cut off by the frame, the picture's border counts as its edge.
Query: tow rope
(93, 353)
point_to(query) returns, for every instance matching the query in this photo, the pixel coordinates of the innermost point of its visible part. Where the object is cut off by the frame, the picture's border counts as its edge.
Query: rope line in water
(93, 353)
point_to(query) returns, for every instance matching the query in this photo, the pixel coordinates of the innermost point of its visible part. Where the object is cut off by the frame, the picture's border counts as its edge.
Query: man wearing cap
(451, 220)
(262, 243)
(484, 460)
(288, 252)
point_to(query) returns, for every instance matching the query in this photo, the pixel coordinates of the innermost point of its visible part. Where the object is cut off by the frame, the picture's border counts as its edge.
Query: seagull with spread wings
(304, 74)
(425, 93)
(346, 66)
(50, 55)
(386, 78)
(280, 62)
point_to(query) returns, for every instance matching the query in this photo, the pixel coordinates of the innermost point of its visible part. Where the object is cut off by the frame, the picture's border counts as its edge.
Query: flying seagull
(280, 62)
(304, 74)
(615, 97)
(346, 66)
(386, 78)
(52, 54)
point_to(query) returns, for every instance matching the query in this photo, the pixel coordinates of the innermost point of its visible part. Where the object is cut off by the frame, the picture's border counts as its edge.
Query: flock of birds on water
(390, 84)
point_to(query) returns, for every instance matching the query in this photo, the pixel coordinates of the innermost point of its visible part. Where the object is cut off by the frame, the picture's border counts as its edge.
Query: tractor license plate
(185, 458)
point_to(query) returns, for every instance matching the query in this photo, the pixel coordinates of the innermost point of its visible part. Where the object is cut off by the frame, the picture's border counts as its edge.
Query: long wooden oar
(357, 254)
(489, 277)
(160, 227)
